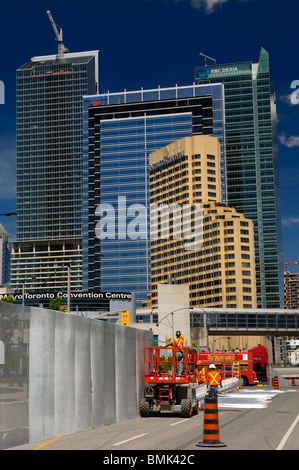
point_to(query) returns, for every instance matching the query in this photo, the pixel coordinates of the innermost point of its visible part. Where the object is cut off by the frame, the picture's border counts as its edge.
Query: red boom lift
(165, 390)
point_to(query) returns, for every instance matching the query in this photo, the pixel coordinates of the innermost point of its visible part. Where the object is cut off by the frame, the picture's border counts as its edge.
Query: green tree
(55, 304)
(9, 299)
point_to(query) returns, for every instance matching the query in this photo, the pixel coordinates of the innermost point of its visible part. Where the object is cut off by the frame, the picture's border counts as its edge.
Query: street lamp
(171, 313)
(222, 337)
(22, 330)
(213, 350)
(69, 281)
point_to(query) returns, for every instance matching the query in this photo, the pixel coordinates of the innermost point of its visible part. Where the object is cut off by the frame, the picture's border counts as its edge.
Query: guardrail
(227, 385)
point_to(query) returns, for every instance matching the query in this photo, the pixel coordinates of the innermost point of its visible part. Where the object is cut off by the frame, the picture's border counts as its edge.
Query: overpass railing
(270, 321)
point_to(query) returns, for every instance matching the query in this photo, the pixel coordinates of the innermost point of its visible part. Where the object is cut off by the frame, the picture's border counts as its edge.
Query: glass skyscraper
(49, 164)
(5, 254)
(252, 163)
(120, 131)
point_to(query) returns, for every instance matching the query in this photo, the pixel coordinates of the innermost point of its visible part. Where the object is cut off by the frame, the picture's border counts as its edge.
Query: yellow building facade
(196, 239)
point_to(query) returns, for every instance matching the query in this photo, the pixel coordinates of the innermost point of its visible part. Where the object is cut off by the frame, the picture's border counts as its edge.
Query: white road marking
(180, 422)
(131, 439)
(287, 434)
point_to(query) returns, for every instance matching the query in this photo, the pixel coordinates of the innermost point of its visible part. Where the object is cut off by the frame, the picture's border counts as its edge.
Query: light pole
(69, 281)
(171, 313)
(68, 310)
(213, 349)
(22, 330)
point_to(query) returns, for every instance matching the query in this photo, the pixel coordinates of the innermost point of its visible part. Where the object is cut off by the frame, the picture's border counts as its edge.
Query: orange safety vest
(178, 343)
(201, 375)
(214, 378)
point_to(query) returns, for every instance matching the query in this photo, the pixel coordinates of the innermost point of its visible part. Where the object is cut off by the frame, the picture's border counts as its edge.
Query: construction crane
(207, 57)
(61, 48)
(286, 263)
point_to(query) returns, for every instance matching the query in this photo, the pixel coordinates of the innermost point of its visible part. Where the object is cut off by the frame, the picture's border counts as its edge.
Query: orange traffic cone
(211, 437)
(276, 383)
(255, 381)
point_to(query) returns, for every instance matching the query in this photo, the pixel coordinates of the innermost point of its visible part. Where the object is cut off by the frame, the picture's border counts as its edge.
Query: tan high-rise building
(196, 239)
(291, 290)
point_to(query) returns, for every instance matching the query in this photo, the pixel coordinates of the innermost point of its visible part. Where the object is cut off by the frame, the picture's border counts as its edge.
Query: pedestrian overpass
(235, 321)
(266, 322)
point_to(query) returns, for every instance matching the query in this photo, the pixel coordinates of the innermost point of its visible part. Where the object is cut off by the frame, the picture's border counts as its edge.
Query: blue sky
(146, 43)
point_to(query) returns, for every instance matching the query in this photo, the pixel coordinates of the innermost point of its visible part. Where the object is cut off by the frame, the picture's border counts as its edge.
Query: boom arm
(61, 47)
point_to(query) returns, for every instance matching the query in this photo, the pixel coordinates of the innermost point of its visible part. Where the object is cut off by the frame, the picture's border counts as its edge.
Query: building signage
(167, 160)
(74, 295)
(204, 72)
(98, 100)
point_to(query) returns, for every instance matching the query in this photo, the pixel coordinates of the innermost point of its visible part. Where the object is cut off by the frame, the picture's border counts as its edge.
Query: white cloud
(292, 99)
(286, 99)
(290, 142)
(290, 222)
(209, 6)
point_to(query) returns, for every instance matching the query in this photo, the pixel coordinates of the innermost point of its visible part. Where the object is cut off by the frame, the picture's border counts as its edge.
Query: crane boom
(59, 37)
(286, 263)
(207, 57)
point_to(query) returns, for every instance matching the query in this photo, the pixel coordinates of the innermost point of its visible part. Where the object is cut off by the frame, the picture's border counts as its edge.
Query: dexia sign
(213, 71)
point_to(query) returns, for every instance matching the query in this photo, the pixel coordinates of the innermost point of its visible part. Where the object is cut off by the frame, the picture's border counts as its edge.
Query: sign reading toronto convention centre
(73, 295)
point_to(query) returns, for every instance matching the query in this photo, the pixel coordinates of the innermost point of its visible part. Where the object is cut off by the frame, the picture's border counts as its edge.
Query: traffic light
(125, 317)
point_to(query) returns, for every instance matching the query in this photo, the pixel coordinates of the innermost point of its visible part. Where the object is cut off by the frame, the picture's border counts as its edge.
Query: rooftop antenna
(207, 57)
(61, 48)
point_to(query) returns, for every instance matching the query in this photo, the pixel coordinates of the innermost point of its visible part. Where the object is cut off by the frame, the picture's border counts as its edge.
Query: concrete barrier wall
(283, 382)
(227, 385)
(83, 373)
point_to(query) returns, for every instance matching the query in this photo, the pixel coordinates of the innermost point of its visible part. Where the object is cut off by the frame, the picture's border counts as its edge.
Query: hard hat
(198, 363)
(178, 333)
(212, 366)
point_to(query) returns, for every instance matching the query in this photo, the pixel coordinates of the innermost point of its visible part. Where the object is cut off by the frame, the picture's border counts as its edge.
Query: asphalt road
(255, 418)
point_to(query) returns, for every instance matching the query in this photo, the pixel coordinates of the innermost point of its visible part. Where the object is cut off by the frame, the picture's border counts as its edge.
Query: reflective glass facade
(5, 254)
(252, 163)
(49, 168)
(49, 145)
(120, 131)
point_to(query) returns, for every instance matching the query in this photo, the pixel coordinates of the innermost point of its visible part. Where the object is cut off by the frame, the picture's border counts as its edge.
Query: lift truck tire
(144, 408)
(186, 408)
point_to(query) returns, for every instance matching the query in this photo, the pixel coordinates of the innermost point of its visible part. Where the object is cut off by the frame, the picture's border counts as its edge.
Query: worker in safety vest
(200, 374)
(178, 343)
(214, 379)
(201, 379)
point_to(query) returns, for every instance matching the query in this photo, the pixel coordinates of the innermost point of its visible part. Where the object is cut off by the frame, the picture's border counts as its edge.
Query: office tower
(49, 168)
(5, 254)
(120, 130)
(196, 239)
(252, 163)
